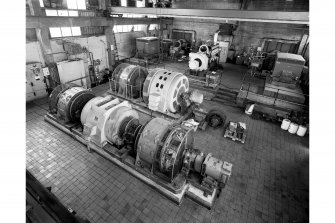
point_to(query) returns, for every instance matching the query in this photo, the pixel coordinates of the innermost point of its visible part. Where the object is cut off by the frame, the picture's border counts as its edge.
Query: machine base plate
(126, 162)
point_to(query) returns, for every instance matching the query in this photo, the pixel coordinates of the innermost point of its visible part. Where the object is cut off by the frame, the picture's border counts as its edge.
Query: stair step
(228, 90)
(227, 94)
(223, 97)
(225, 102)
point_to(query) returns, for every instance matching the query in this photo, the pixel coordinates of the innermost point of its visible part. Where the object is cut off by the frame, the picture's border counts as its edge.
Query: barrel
(293, 128)
(301, 130)
(285, 124)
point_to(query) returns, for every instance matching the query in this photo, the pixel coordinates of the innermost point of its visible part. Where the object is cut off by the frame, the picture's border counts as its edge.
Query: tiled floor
(269, 182)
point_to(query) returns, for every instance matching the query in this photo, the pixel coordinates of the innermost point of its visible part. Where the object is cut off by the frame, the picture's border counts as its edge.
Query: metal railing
(245, 87)
(125, 90)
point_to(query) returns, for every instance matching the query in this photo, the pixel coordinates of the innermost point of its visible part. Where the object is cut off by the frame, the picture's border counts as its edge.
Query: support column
(102, 4)
(34, 7)
(303, 43)
(111, 43)
(44, 41)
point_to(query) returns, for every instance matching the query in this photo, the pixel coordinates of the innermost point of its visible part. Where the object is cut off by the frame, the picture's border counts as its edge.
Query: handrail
(245, 82)
(275, 98)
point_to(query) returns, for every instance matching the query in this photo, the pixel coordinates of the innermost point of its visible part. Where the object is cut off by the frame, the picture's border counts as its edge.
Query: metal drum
(285, 124)
(161, 147)
(53, 98)
(70, 103)
(148, 141)
(162, 89)
(293, 128)
(128, 80)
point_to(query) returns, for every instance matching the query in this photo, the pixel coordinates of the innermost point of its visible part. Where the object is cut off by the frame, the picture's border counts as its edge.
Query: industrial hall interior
(141, 111)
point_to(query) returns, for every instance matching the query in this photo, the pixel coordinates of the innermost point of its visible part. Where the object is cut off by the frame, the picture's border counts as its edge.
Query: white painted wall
(34, 53)
(94, 44)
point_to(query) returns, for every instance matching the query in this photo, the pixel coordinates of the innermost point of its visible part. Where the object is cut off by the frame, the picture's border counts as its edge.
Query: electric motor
(161, 147)
(70, 100)
(198, 61)
(102, 118)
(217, 169)
(162, 89)
(128, 80)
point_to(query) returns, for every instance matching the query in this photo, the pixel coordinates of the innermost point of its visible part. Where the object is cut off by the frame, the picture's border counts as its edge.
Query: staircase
(225, 95)
(220, 94)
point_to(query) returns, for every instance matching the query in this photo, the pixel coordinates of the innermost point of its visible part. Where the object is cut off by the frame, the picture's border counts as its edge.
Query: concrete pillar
(43, 38)
(34, 7)
(110, 42)
(303, 42)
(102, 4)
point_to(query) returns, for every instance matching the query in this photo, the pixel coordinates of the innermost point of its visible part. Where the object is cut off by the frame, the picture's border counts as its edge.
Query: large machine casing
(147, 47)
(162, 90)
(198, 61)
(291, 63)
(102, 118)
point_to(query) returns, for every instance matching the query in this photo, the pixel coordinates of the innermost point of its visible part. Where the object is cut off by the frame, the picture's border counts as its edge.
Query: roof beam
(223, 14)
(57, 21)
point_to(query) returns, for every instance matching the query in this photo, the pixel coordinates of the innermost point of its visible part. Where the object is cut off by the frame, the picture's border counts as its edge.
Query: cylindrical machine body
(102, 119)
(162, 89)
(147, 47)
(151, 136)
(128, 80)
(161, 146)
(204, 49)
(197, 97)
(71, 102)
(293, 128)
(302, 130)
(215, 168)
(54, 96)
(198, 61)
(285, 124)
(166, 44)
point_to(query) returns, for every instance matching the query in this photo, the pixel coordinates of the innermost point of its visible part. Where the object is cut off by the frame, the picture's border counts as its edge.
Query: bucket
(249, 109)
(301, 130)
(285, 124)
(293, 128)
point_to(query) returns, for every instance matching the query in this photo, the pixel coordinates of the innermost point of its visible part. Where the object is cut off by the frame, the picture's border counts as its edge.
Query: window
(140, 3)
(124, 3)
(64, 31)
(76, 4)
(73, 13)
(128, 28)
(153, 27)
(63, 13)
(49, 12)
(41, 4)
(55, 32)
(76, 31)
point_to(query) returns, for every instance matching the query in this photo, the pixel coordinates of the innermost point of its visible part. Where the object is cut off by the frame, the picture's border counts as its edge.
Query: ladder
(116, 54)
